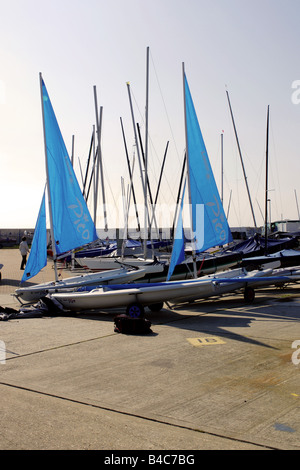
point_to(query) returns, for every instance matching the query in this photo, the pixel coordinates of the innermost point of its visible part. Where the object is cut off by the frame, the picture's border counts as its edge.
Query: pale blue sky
(250, 47)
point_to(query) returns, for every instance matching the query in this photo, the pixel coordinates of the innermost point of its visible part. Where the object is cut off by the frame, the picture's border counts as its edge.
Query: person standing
(24, 250)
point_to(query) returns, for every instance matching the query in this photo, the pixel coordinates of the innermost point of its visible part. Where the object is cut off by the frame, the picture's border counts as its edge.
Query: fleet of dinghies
(71, 227)
(136, 296)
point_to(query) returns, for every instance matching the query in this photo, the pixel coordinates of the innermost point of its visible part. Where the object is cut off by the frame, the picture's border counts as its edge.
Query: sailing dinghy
(209, 228)
(136, 296)
(71, 225)
(72, 284)
(106, 263)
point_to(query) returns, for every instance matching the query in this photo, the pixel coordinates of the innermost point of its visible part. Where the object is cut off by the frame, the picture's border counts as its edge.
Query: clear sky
(252, 48)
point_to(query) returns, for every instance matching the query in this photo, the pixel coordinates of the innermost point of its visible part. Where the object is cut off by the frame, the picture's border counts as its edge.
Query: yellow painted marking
(205, 341)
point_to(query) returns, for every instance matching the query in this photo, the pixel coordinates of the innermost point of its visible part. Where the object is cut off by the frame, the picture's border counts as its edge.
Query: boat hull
(72, 284)
(147, 294)
(104, 263)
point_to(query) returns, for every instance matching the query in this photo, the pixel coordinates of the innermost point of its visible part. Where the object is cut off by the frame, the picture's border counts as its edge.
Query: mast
(131, 180)
(95, 175)
(297, 204)
(136, 143)
(229, 204)
(48, 187)
(148, 187)
(146, 156)
(99, 125)
(189, 185)
(266, 195)
(158, 186)
(239, 149)
(161, 173)
(126, 203)
(178, 195)
(81, 174)
(87, 167)
(222, 172)
(92, 150)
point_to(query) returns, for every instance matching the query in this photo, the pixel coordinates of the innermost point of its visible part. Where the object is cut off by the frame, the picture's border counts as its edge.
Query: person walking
(24, 250)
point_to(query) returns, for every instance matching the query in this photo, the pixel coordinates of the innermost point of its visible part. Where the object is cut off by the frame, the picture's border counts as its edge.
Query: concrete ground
(215, 374)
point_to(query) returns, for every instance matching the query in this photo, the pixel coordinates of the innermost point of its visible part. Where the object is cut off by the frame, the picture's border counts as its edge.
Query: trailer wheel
(156, 307)
(249, 294)
(135, 310)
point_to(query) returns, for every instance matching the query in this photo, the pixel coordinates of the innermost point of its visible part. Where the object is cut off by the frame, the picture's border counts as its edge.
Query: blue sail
(178, 246)
(71, 220)
(210, 227)
(37, 259)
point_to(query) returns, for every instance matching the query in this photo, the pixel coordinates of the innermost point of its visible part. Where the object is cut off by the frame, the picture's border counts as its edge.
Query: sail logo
(69, 169)
(82, 219)
(206, 164)
(218, 219)
(197, 236)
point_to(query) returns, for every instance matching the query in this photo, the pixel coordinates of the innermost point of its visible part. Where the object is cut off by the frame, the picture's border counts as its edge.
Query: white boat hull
(107, 297)
(104, 263)
(71, 284)
(292, 274)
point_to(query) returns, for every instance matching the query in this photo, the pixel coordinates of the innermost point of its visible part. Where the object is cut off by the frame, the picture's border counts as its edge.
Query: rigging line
(149, 136)
(275, 159)
(165, 107)
(242, 163)
(171, 187)
(258, 188)
(151, 143)
(108, 182)
(230, 135)
(215, 160)
(236, 180)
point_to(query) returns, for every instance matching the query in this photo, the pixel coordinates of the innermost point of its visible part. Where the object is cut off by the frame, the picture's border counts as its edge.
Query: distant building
(286, 226)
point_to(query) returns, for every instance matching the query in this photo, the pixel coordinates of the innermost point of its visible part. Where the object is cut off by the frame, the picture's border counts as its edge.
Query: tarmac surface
(217, 374)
